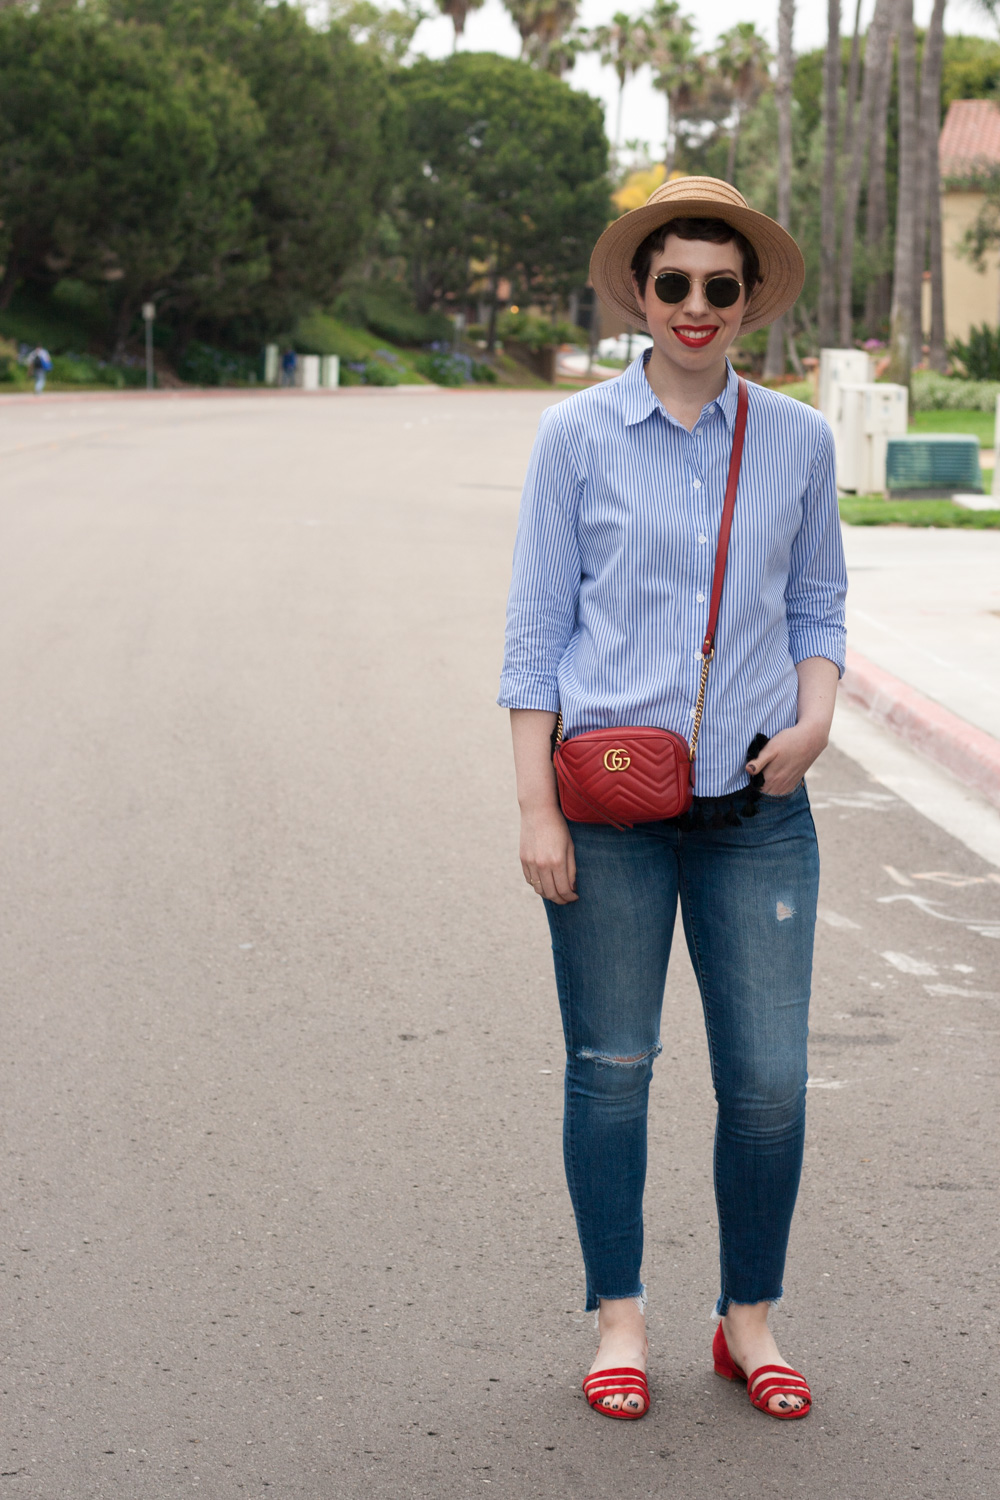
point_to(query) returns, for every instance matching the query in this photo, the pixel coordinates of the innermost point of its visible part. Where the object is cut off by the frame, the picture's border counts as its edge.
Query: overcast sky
(644, 117)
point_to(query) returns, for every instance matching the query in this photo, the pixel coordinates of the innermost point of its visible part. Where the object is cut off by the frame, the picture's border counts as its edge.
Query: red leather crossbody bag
(634, 774)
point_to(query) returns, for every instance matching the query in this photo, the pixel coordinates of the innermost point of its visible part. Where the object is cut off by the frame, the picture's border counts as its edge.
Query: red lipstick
(696, 335)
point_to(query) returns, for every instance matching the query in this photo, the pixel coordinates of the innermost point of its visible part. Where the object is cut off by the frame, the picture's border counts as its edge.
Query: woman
(613, 570)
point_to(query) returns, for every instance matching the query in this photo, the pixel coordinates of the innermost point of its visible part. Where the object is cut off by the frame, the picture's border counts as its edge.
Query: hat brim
(782, 269)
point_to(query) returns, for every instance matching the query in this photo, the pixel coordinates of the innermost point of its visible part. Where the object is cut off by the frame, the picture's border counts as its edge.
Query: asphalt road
(282, 1203)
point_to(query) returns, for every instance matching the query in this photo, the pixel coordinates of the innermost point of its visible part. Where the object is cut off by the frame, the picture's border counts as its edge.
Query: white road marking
(834, 919)
(956, 989)
(907, 965)
(824, 1083)
(897, 875)
(924, 904)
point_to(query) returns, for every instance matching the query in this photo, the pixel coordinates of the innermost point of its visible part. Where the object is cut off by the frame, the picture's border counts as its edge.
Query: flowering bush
(932, 392)
(446, 367)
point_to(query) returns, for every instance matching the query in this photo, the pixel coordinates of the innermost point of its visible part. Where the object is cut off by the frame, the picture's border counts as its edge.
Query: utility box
(270, 364)
(841, 367)
(307, 372)
(329, 372)
(933, 466)
(864, 418)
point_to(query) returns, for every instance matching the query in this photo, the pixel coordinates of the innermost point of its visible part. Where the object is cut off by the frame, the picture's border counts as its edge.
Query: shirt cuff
(519, 691)
(819, 640)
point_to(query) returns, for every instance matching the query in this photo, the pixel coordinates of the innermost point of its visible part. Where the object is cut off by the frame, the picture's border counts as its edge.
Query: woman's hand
(547, 856)
(786, 758)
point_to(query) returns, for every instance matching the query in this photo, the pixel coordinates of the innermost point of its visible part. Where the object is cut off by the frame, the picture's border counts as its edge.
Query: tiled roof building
(970, 139)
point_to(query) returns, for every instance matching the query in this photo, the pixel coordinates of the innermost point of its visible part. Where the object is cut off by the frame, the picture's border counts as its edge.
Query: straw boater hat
(782, 269)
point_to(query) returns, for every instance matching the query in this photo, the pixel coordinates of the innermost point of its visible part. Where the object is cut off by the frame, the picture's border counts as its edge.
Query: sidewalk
(923, 623)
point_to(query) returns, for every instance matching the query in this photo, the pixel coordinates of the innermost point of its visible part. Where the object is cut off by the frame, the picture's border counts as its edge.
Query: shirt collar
(639, 402)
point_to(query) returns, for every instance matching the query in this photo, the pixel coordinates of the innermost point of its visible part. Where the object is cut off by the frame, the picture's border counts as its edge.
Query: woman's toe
(635, 1403)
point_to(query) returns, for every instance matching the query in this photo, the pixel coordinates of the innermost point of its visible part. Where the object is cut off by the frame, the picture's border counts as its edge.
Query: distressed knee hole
(588, 1054)
(783, 912)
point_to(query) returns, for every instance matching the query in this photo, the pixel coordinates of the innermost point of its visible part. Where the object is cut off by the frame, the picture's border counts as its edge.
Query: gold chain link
(699, 707)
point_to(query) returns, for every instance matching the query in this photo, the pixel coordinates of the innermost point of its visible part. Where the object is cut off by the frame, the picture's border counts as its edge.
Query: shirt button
(703, 538)
(693, 712)
(701, 598)
(696, 484)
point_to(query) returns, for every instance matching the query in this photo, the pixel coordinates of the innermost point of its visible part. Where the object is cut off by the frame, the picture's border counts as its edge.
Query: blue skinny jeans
(748, 903)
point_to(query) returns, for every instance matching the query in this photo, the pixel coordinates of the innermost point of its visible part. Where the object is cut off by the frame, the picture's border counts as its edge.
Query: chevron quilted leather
(624, 776)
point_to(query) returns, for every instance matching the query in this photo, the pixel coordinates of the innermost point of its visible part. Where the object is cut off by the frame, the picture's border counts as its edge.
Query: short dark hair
(715, 231)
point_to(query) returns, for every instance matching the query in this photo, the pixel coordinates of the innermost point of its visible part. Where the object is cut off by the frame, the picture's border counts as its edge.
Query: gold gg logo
(617, 760)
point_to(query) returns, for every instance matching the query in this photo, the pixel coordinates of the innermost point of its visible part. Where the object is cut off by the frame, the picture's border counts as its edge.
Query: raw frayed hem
(719, 1311)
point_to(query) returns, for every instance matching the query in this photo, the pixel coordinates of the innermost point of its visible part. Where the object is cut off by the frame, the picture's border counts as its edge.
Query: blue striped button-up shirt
(614, 557)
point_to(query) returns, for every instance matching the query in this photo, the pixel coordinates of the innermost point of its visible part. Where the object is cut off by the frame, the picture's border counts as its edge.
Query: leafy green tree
(324, 160)
(123, 162)
(506, 177)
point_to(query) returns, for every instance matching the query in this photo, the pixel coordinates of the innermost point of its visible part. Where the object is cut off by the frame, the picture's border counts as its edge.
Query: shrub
(83, 369)
(444, 367)
(536, 333)
(932, 392)
(201, 364)
(979, 354)
(380, 370)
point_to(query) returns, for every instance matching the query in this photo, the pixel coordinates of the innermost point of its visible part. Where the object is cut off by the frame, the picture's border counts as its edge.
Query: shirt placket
(702, 554)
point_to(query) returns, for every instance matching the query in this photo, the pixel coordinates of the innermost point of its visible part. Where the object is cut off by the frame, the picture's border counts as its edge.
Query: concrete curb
(970, 754)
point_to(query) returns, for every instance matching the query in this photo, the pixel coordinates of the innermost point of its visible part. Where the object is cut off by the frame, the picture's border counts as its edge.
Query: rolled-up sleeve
(542, 604)
(817, 574)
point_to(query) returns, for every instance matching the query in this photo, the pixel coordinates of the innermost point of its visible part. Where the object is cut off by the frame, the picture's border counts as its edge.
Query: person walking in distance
(39, 364)
(675, 634)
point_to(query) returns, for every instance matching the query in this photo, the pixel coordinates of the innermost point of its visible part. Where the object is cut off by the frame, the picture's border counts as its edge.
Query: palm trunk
(901, 336)
(618, 117)
(668, 159)
(877, 41)
(774, 362)
(853, 78)
(828, 204)
(938, 354)
(930, 129)
(734, 137)
(877, 213)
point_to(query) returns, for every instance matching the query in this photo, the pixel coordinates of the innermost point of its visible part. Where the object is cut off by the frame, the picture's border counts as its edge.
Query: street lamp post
(148, 314)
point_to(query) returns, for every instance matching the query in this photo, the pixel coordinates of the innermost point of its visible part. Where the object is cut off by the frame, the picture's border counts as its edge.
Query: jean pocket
(784, 796)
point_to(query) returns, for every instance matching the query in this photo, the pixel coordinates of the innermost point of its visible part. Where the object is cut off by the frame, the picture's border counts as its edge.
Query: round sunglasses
(720, 291)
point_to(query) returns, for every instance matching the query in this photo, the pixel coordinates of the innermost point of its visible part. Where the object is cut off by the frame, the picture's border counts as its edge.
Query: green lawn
(978, 423)
(873, 510)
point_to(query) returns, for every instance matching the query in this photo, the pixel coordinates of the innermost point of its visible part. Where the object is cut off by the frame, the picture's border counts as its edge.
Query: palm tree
(541, 24)
(742, 59)
(876, 47)
(678, 71)
(928, 176)
(901, 316)
(828, 198)
(458, 10)
(774, 362)
(624, 46)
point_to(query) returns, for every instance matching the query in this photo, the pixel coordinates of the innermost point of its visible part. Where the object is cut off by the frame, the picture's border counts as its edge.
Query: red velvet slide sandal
(777, 1380)
(624, 1382)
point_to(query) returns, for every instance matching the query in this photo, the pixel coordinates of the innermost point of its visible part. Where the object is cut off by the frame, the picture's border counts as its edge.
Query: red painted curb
(970, 754)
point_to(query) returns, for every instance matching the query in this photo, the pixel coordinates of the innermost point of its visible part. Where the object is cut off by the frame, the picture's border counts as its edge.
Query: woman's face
(692, 333)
